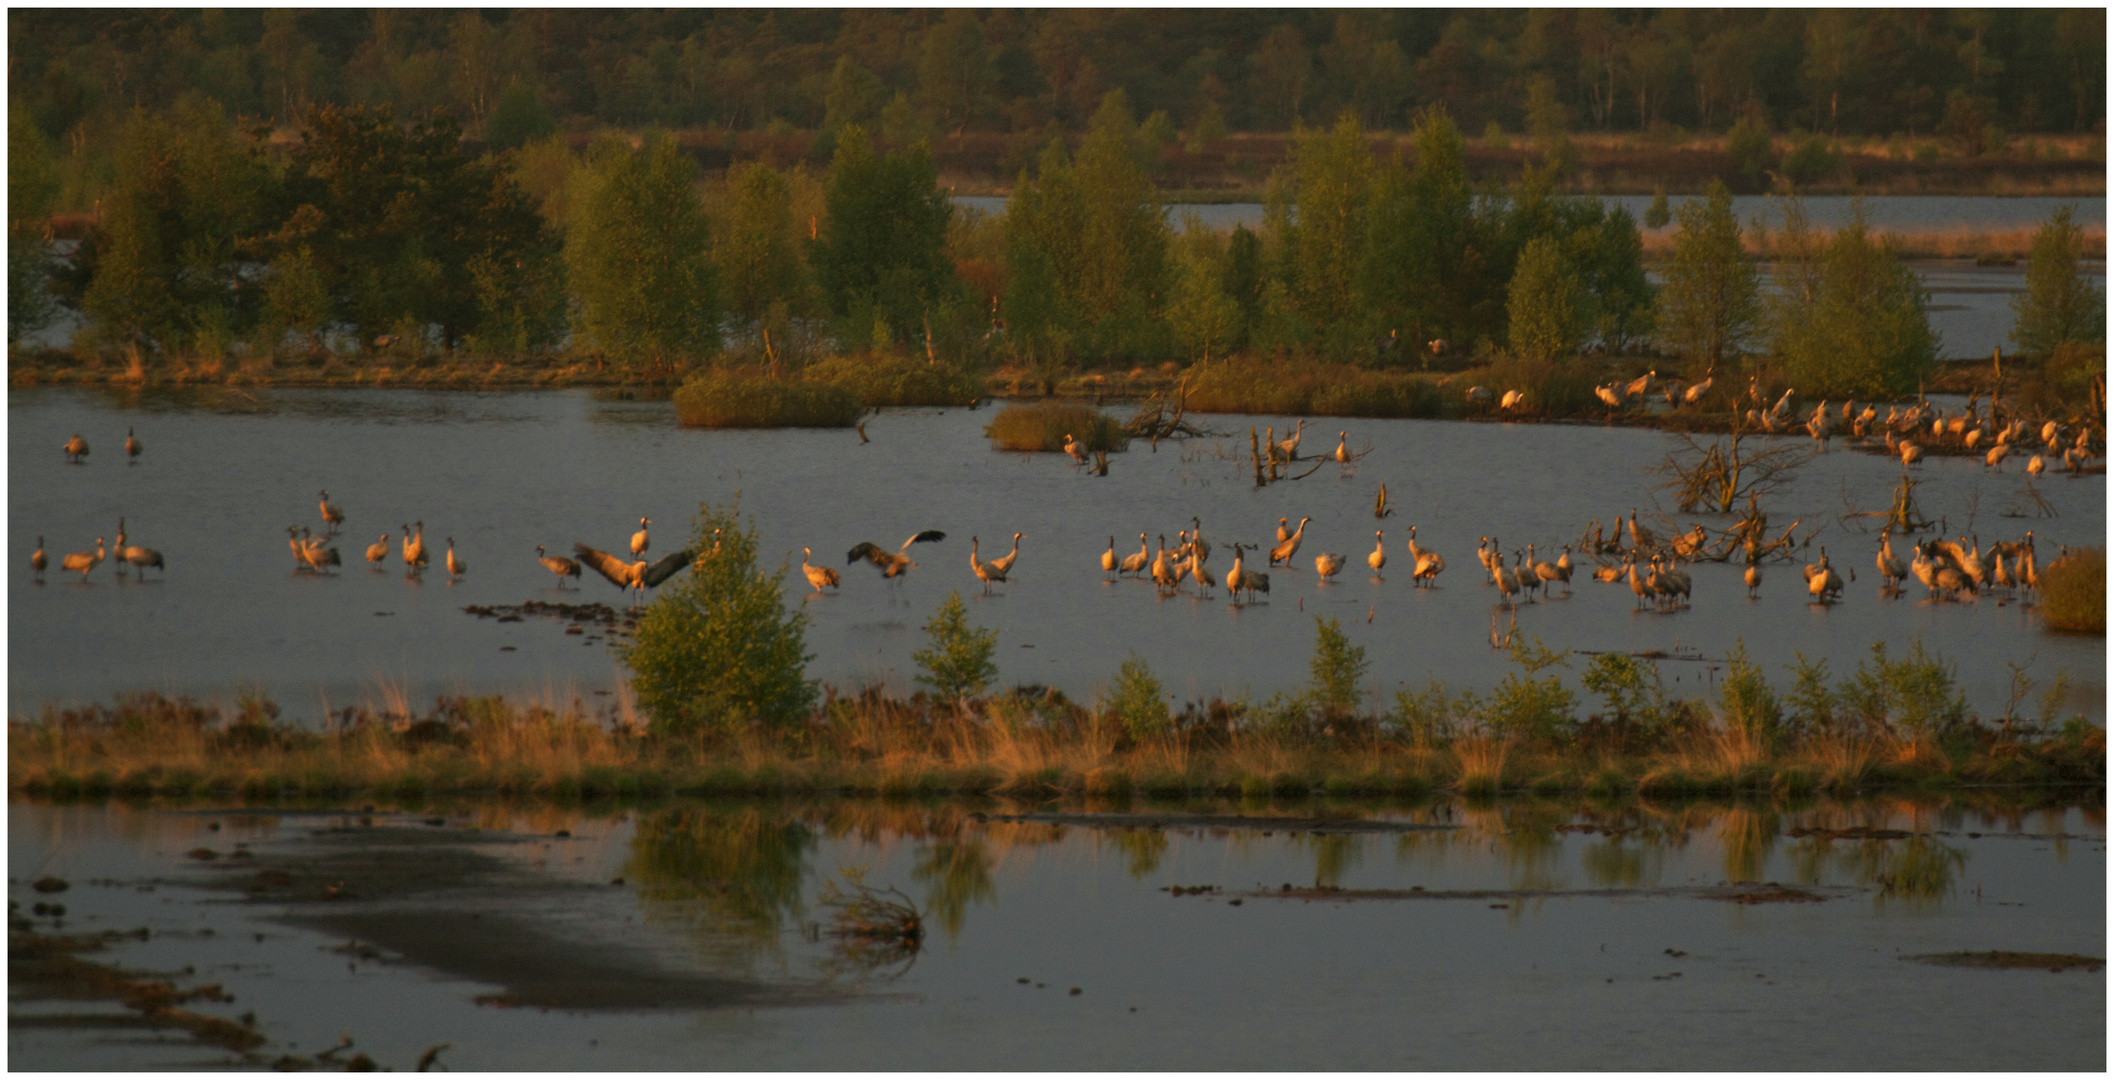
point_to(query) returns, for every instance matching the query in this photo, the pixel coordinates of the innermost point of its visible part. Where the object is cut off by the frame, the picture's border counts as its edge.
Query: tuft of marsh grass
(735, 399)
(1043, 426)
(2074, 592)
(896, 380)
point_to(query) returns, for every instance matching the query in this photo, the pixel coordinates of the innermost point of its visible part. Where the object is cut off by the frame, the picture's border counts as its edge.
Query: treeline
(370, 232)
(508, 74)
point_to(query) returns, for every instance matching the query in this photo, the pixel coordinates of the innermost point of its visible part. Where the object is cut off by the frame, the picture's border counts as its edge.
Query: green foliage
(1810, 161)
(1813, 705)
(956, 71)
(1748, 144)
(296, 298)
(32, 182)
(1863, 330)
(1434, 715)
(1333, 190)
(1658, 215)
(519, 118)
(854, 95)
(717, 650)
(1545, 303)
(1916, 694)
(959, 663)
(1745, 700)
(1528, 708)
(1335, 671)
(897, 380)
(2060, 304)
(2074, 592)
(187, 206)
(762, 279)
(1428, 267)
(638, 250)
(1138, 701)
(1210, 127)
(1204, 315)
(881, 256)
(1041, 427)
(1088, 246)
(738, 399)
(1711, 302)
(405, 226)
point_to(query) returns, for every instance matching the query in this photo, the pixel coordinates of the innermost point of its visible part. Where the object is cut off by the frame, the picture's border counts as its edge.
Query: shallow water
(1622, 956)
(223, 475)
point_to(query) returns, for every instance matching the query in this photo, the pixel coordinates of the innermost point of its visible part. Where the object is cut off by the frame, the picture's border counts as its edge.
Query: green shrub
(1812, 161)
(2074, 592)
(895, 380)
(1917, 693)
(1336, 669)
(717, 648)
(1043, 426)
(731, 399)
(1748, 704)
(1138, 701)
(959, 662)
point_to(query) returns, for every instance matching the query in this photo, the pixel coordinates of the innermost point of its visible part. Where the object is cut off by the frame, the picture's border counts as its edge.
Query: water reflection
(956, 873)
(1749, 836)
(742, 866)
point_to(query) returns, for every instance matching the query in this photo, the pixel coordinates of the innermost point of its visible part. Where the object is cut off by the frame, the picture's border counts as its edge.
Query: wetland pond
(225, 472)
(1203, 936)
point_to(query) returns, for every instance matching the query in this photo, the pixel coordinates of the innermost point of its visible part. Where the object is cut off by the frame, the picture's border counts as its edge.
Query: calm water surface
(225, 474)
(1617, 960)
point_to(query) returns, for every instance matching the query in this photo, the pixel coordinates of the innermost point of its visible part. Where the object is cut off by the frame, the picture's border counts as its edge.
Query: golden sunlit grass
(546, 745)
(1043, 426)
(2074, 592)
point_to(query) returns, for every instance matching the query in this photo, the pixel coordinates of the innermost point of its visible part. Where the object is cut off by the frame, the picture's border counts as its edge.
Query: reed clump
(1312, 389)
(897, 380)
(742, 399)
(1042, 427)
(2074, 592)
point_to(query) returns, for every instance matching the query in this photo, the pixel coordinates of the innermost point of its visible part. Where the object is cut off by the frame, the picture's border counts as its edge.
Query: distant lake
(1971, 214)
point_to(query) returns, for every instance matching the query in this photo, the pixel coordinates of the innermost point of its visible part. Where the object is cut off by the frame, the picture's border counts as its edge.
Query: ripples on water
(224, 475)
(1617, 957)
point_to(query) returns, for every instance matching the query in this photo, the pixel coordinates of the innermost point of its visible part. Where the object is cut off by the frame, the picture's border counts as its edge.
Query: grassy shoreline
(1016, 746)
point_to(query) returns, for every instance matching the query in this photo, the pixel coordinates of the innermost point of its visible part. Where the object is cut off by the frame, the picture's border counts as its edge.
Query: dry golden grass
(547, 745)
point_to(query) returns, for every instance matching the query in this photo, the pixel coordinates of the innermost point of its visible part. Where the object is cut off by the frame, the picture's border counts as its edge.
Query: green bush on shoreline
(732, 399)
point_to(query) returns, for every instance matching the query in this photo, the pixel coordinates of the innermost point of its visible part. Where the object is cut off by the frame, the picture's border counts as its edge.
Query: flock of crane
(1650, 568)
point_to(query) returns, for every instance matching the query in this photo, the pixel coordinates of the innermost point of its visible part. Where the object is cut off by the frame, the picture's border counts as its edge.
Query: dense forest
(305, 185)
(503, 74)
